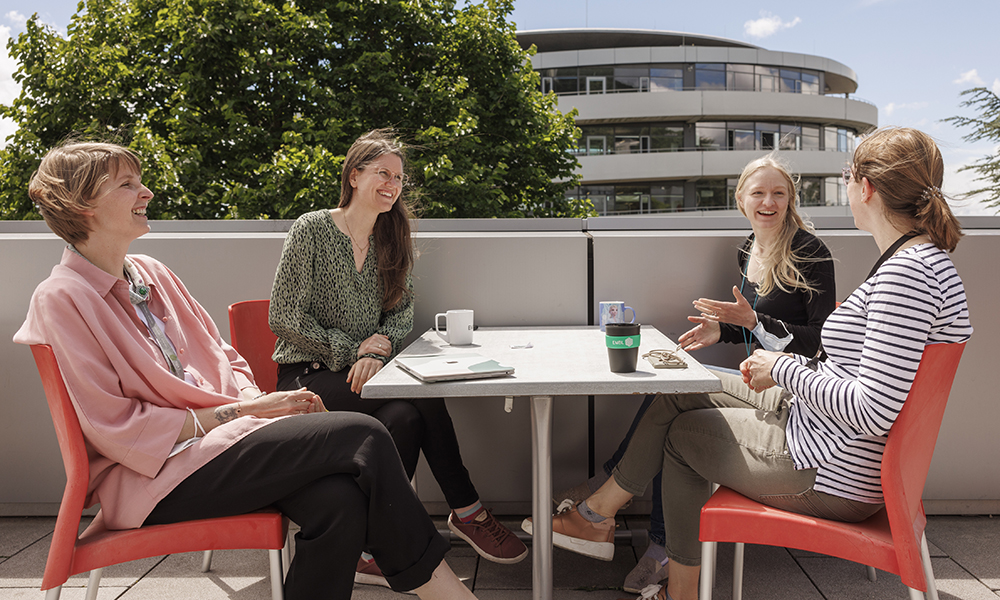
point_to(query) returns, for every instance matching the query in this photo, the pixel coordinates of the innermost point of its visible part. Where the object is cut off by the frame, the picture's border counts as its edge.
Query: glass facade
(708, 194)
(711, 135)
(671, 78)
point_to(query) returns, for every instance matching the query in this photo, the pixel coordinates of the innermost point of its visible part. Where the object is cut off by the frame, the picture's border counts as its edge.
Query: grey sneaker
(647, 572)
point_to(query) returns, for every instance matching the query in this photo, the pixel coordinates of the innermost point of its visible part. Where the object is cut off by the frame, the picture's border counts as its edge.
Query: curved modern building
(668, 120)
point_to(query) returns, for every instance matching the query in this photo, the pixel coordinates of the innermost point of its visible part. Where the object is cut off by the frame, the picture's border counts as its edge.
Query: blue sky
(912, 57)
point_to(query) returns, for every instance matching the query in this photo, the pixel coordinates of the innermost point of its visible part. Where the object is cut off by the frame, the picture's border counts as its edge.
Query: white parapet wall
(513, 272)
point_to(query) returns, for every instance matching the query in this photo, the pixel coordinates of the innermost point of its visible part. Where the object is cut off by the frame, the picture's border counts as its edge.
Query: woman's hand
(376, 344)
(756, 369)
(362, 371)
(279, 404)
(736, 313)
(705, 334)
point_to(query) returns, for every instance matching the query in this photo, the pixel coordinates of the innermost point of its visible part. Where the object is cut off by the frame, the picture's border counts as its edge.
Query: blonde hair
(66, 183)
(780, 261)
(905, 167)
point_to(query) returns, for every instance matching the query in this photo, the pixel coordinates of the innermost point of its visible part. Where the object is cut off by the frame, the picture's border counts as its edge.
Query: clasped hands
(280, 404)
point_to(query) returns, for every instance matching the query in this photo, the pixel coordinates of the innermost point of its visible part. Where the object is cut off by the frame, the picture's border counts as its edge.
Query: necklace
(351, 235)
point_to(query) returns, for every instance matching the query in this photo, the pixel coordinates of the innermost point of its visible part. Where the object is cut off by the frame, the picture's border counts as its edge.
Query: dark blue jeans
(657, 533)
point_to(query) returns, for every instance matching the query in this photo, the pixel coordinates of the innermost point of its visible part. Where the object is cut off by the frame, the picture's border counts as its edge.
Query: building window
(766, 78)
(740, 78)
(740, 136)
(666, 79)
(666, 138)
(710, 136)
(713, 194)
(710, 76)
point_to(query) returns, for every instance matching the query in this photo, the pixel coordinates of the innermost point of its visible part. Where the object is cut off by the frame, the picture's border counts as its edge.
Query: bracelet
(260, 395)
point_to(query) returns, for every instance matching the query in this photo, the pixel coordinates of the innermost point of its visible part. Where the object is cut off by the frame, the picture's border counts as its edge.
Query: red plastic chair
(893, 539)
(99, 547)
(254, 340)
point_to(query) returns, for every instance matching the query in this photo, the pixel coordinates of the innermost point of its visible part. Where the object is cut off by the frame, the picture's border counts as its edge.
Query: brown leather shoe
(570, 531)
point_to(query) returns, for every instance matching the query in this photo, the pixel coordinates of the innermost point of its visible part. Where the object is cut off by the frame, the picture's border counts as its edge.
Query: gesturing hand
(362, 371)
(737, 313)
(705, 334)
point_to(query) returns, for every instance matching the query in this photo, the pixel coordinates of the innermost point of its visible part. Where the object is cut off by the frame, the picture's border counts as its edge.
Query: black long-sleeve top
(802, 313)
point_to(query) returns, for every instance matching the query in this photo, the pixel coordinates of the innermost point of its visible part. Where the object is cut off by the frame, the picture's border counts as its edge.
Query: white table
(562, 361)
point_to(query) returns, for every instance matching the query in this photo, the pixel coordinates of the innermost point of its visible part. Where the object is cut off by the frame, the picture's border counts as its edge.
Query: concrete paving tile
(971, 541)
(839, 579)
(235, 575)
(21, 532)
(556, 595)
(954, 582)
(768, 572)
(570, 571)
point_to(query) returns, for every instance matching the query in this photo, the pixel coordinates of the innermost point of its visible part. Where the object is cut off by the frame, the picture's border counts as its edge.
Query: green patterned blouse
(321, 307)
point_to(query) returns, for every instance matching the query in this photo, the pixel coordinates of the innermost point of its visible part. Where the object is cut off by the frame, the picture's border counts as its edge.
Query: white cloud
(9, 89)
(768, 25)
(958, 182)
(971, 77)
(892, 107)
(16, 18)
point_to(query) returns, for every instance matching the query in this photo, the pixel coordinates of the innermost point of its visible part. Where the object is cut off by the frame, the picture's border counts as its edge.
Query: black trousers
(414, 424)
(338, 476)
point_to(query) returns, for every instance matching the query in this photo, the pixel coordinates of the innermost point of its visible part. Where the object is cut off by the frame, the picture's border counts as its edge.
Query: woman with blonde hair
(341, 306)
(175, 427)
(814, 445)
(787, 274)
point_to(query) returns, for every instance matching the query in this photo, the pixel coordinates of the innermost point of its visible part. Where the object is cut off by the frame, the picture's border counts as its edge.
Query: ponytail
(934, 217)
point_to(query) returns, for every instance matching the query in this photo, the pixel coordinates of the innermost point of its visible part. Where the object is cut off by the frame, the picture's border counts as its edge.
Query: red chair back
(254, 340)
(74, 454)
(908, 453)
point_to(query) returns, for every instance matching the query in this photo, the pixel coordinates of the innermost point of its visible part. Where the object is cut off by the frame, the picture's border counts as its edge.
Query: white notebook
(452, 367)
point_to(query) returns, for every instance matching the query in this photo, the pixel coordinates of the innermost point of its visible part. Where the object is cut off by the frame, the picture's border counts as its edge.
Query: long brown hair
(393, 243)
(780, 262)
(905, 167)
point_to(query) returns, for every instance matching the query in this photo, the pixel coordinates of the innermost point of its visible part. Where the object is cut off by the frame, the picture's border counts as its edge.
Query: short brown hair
(905, 167)
(67, 181)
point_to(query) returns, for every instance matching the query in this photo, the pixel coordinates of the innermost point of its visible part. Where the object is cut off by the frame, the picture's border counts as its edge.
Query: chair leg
(277, 580)
(286, 553)
(206, 562)
(707, 570)
(94, 584)
(915, 594)
(738, 571)
(53, 593)
(925, 559)
(872, 576)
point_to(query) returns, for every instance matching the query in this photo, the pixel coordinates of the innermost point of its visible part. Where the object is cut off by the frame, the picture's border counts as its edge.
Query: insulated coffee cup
(614, 312)
(622, 340)
(458, 327)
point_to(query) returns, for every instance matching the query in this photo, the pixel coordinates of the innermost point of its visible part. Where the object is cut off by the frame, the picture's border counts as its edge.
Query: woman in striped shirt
(813, 445)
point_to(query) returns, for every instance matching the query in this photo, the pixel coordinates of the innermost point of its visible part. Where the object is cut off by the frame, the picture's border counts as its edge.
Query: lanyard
(756, 296)
(892, 250)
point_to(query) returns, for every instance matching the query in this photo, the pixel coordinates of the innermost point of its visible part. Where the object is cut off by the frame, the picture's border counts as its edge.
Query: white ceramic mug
(458, 327)
(614, 312)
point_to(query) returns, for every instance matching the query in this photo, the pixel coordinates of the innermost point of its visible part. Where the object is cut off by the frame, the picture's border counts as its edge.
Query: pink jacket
(131, 407)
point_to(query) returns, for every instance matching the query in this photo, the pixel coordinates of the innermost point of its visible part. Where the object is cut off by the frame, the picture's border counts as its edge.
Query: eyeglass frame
(848, 174)
(399, 178)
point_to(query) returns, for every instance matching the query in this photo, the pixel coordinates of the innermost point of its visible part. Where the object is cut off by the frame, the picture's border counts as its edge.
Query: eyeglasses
(848, 175)
(386, 176)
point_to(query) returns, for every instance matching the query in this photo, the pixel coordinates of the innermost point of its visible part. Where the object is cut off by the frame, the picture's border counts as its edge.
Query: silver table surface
(562, 361)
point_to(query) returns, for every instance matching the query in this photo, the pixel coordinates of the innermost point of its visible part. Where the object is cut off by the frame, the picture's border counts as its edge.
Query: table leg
(541, 501)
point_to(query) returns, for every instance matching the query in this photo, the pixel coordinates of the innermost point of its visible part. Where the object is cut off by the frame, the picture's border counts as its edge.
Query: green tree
(246, 108)
(986, 126)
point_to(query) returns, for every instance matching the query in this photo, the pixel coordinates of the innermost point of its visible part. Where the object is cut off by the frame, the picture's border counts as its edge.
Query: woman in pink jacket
(175, 426)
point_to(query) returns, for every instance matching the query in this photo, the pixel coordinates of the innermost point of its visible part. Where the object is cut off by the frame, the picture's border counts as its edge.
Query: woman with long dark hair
(341, 305)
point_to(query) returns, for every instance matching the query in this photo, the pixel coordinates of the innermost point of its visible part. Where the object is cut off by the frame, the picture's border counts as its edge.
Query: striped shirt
(842, 412)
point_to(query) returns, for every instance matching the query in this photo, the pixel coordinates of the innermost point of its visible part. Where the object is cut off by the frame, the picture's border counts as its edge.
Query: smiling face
(764, 199)
(118, 210)
(378, 184)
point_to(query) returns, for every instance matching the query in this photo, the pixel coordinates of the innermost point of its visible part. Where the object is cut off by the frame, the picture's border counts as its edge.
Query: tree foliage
(986, 126)
(246, 108)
